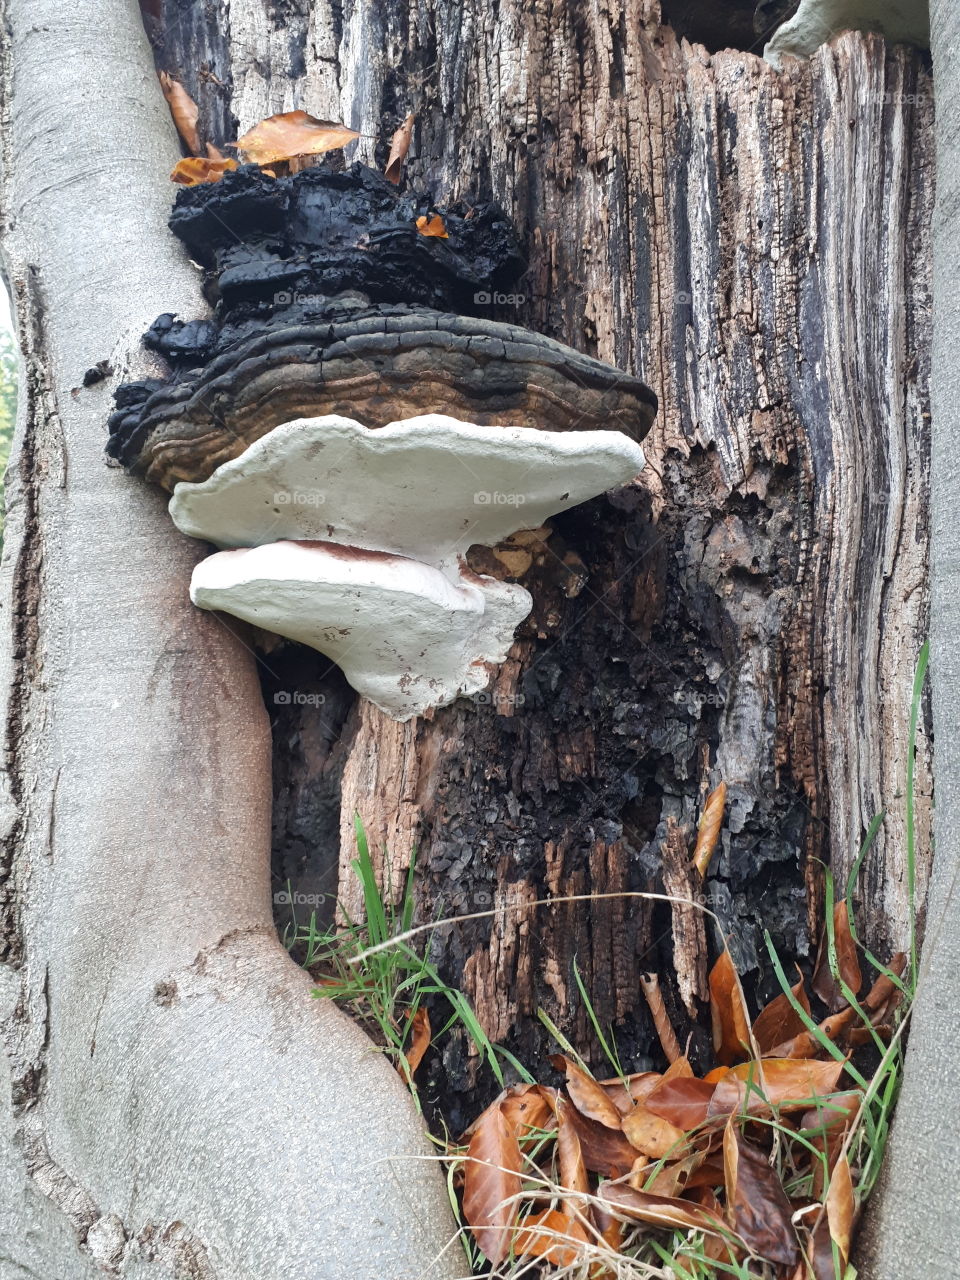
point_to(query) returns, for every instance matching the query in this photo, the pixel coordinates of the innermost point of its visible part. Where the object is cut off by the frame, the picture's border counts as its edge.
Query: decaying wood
(755, 246)
(682, 882)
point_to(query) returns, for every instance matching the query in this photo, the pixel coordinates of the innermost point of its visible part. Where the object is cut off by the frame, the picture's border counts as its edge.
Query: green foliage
(385, 990)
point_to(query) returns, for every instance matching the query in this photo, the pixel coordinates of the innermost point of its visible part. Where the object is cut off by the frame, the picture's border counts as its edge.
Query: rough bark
(175, 1103)
(755, 245)
(913, 1228)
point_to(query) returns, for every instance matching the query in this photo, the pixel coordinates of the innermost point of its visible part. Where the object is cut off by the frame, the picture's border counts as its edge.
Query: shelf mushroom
(295, 425)
(357, 538)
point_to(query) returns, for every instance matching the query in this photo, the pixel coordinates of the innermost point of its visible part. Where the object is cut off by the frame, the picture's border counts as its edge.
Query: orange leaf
(624, 1093)
(674, 1178)
(587, 1095)
(573, 1170)
(653, 1135)
(848, 966)
(399, 146)
(885, 991)
(806, 1044)
(757, 1200)
(421, 1039)
(193, 170)
(184, 111)
(434, 226)
(708, 830)
(604, 1150)
(779, 1021)
(490, 1184)
(660, 1211)
(684, 1101)
(525, 1109)
(784, 1083)
(553, 1236)
(650, 985)
(290, 134)
(835, 1224)
(731, 1030)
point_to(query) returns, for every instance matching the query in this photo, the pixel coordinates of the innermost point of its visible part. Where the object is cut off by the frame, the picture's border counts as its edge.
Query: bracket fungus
(296, 429)
(388, 516)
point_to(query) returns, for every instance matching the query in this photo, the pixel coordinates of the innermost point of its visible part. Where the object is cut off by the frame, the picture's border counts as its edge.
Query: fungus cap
(403, 634)
(426, 488)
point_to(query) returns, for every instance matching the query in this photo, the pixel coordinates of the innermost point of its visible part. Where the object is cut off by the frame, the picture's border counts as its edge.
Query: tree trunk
(174, 1102)
(912, 1227)
(756, 246)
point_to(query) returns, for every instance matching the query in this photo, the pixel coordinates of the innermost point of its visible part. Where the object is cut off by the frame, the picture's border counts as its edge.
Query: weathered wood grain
(755, 245)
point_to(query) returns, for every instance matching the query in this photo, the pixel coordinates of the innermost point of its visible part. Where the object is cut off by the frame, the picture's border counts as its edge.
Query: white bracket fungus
(359, 538)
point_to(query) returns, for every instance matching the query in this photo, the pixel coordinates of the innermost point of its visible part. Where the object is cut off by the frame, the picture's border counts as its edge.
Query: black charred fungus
(328, 299)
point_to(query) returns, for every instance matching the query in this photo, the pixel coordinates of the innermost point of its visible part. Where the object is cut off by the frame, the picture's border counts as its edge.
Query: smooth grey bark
(914, 1228)
(176, 1103)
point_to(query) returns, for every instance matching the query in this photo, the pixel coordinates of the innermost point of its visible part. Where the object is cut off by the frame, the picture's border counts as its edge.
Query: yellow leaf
(290, 134)
(184, 111)
(432, 226)
(708, 832)
(196, 169)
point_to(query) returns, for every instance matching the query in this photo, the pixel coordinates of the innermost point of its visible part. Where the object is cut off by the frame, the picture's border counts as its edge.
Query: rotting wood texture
(755, 246)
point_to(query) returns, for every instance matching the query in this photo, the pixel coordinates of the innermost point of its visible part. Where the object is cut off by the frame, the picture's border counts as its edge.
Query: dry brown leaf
(826, 1128)
(834, 1225)
(554, 1236)
(491, 1183)
(842, 1207)
(184, 111)
(193, 170)
(624, 1093)
(784, 1083)
(420, 1042)
(526, 1109)
(674, 1178)
(214, 153)
(731, 1030)
(587, 1095)
(779, 1021)
(679, 1070)
(708, 830)
(573, 1170)
(399, 146)
(757, 1200)
(650, 986)
(660, 1211)
(683, 1101)
(806, 1045)
(885, 994)
(652, 1135)
(605, 1151)
(291, 134)
(848, 965)
(433, 226)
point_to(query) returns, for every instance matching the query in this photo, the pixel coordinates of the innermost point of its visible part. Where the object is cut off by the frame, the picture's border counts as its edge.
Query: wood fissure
(754, 245)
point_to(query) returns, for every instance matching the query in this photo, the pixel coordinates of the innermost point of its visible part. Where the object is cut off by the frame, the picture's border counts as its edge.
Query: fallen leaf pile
(749, 1164)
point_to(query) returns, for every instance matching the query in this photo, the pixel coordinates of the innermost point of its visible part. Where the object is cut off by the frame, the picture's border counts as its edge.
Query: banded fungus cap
(403, 634)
